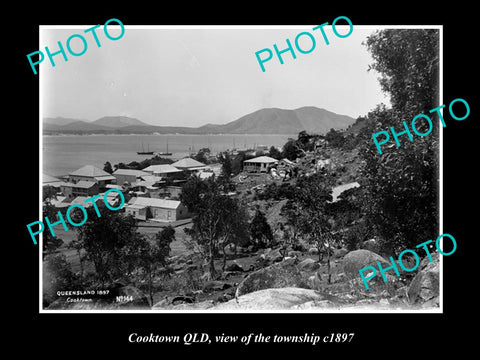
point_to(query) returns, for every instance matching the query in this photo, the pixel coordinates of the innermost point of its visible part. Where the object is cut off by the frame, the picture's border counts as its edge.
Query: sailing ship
(165, 152)
(143, 152)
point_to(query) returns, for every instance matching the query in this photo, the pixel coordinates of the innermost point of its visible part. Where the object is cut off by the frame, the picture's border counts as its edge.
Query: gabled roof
(161, 169)
(161, 203)
(131, 172)
(47, 179)
(187, 163)
(83, 184)
(262, 159)
(89, 171)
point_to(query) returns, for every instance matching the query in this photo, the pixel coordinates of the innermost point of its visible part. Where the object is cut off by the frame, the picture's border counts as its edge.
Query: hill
(118, 121)
(75, 126)
(281, 121)
(263, 121)
(59, 121)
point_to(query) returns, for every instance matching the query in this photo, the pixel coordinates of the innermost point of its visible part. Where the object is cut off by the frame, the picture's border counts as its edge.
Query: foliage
(400, 201)
(225, 177)
(234, 223)
(107, 167)
(335, 138)
(50, 243)
(202, 155)
(291, 151)
(135, 165)
(309, 212)
(216, 216)
(273, 152)
(104, 240)
(148, 254)
(260, 230)
(56, 276)
(306, 141)
(356, 234)
(407, 61)
(275, 192)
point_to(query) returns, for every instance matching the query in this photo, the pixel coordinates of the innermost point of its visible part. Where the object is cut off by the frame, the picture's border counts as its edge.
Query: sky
(191, 76)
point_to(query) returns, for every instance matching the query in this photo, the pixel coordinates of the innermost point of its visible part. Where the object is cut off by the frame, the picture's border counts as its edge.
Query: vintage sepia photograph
(241, 168)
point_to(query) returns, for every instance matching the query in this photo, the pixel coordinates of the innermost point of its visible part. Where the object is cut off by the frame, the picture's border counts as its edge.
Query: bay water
(62, 154)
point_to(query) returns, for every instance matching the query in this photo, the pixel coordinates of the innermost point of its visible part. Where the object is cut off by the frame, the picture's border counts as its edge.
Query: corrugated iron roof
(187, 163)
(161, 203)
(262, 159)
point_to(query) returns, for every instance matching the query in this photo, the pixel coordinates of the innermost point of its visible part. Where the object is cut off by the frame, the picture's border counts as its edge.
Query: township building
(259, 164)
(162, 171)
(48, 180)
(128, 175)
(154, 191)
(189, 164)
(81, 188)
(92, 174)
(144, 208)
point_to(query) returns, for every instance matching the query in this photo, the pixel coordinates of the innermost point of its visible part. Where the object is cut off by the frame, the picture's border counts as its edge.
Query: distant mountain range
(263, 121)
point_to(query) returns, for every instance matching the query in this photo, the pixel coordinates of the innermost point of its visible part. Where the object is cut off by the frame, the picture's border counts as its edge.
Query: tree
(50, 243)
(274, 153)
(335, 138)
(148, 254)
(104, 240)
(407, 61)
(214, 214)
(309, 211)
(224, 179)
(260, 230)
(400, 201)
(57, 275)
(291, 151)
(202, 155)
(237, 162)
(107, 167)
(226, 161)
(306, 141)
(234, 225)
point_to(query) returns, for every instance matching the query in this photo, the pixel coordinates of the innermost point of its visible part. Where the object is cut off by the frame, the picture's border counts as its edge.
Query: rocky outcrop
(290, 299)
(308, 265)
(424, 289)
(283, 274)
(271, 299)
(358, 259)
(272, 255)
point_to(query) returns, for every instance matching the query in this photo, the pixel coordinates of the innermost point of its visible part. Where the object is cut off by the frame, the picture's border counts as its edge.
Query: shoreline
(166, 134)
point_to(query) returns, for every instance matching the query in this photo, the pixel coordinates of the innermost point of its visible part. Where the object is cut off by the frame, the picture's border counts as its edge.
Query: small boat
(143, 152)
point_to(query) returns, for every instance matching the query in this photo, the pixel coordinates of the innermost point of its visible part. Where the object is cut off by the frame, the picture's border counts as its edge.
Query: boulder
(234, 267)
(339, 253)
(308, 265)
(241, 265)
(358, 259)
(425, 286)
(215, 285)
(371, 245)
(283, 274)
(271, 299)
(294, 253)
(272, 255)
